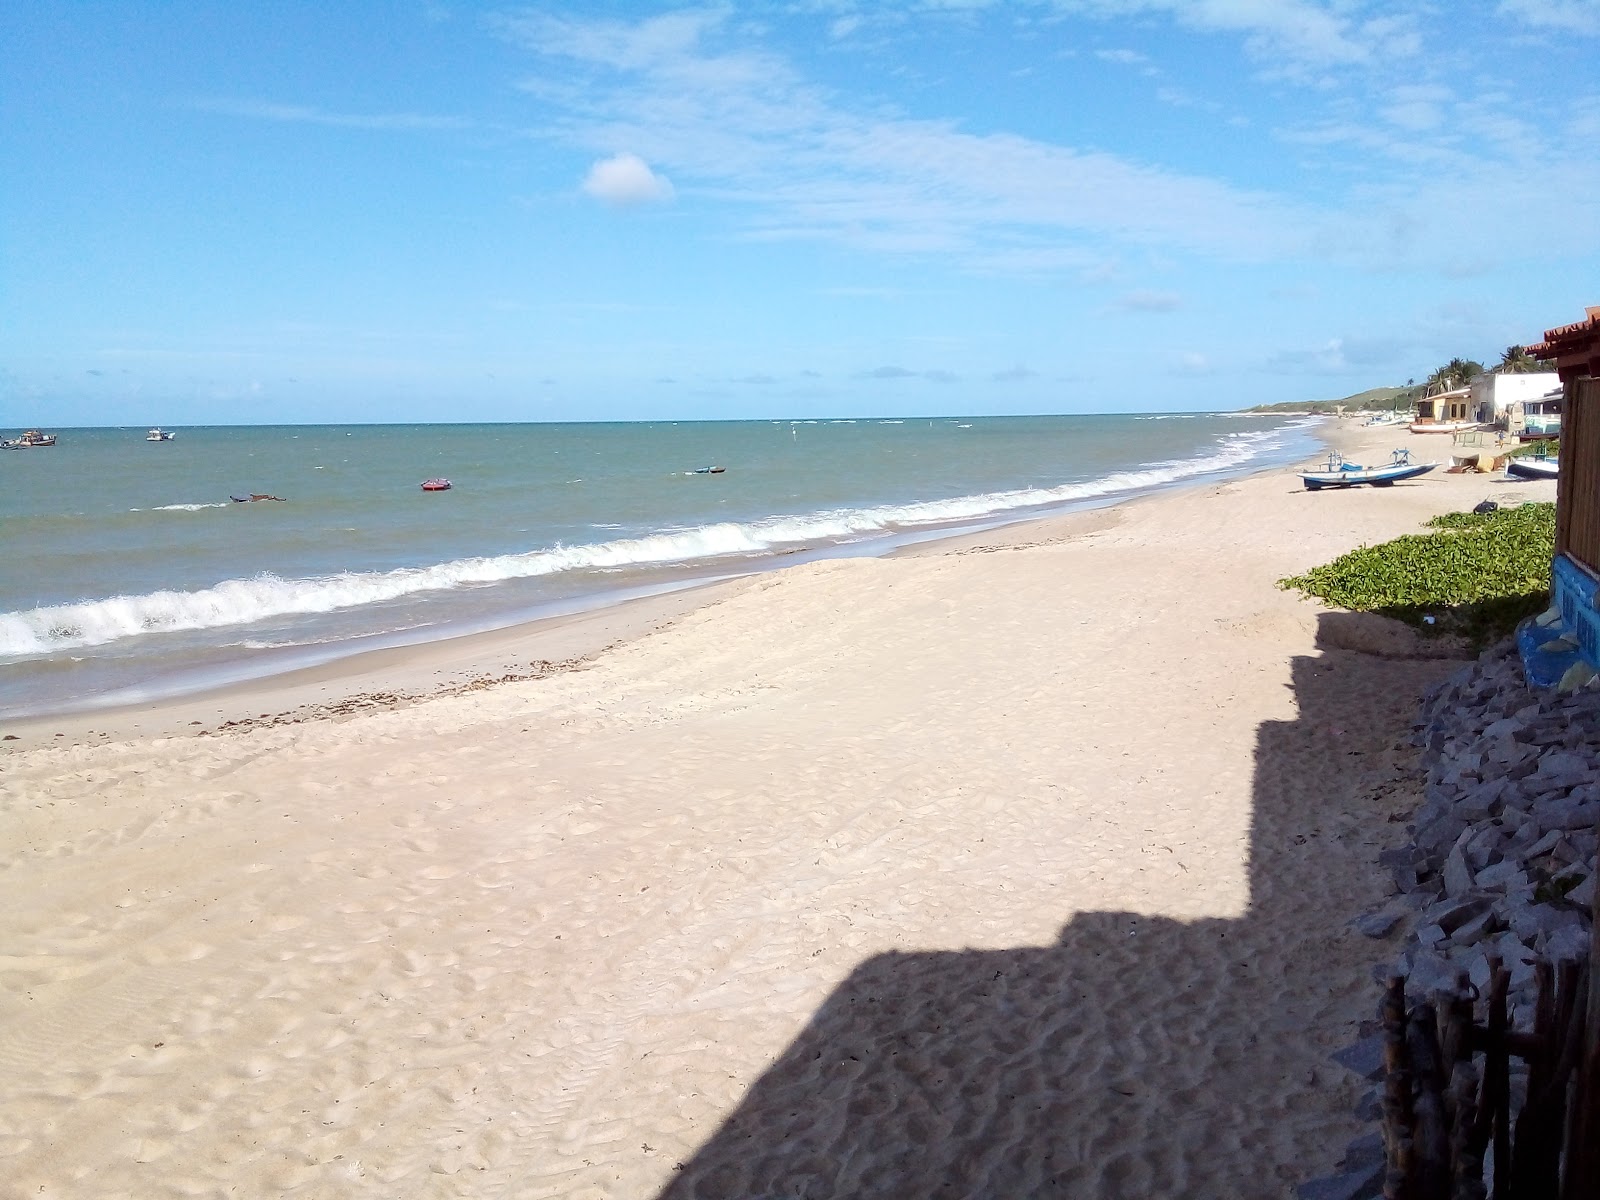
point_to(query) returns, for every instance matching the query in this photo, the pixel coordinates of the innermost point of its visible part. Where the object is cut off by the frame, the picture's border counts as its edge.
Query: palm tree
(1517, 361)
(1514, 360)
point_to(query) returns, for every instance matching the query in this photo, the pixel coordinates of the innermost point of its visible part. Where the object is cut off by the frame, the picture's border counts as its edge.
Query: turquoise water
(128, 570)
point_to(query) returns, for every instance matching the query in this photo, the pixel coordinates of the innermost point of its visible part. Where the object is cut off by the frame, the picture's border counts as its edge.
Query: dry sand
(1018, 865)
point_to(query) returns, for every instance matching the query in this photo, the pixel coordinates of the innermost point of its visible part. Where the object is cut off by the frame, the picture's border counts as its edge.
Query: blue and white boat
(1533, 468)
(1338, 473)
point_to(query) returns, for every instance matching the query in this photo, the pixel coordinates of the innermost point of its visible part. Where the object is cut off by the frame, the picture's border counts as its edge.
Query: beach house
(1445, 408)
(1564, 645)
(1493, 393)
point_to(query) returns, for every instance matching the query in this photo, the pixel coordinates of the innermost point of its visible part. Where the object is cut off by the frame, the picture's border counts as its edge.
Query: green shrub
(1545, 448)
(1476, 577)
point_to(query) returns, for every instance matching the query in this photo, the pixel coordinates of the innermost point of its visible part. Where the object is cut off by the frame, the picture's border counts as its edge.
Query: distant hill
(1379, 399)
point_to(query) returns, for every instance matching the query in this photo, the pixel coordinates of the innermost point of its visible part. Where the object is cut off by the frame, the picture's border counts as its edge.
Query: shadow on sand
(1137, 1056)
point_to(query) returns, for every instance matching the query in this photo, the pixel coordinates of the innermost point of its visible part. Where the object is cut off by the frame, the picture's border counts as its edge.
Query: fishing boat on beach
(1341, 474)
(1532, 468)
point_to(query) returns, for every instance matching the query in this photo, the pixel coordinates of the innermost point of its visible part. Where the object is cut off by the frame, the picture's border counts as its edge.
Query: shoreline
(414, 671)
(410, 670)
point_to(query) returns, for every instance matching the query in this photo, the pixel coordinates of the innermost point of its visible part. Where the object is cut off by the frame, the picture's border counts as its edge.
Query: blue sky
(229, 212)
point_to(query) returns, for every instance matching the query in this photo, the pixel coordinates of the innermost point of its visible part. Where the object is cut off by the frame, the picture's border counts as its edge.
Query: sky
(254, 213)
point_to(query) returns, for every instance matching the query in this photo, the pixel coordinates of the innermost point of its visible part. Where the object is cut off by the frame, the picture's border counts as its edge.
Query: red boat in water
(436, 485)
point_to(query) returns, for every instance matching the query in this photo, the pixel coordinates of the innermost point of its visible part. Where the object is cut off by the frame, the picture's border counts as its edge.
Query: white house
(1491, 394)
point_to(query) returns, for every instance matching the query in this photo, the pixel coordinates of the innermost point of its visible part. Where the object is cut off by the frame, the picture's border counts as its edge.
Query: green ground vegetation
(1475, 575)
(1547, 448)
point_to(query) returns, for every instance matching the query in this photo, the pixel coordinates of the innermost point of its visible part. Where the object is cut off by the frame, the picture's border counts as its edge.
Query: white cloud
(1571, 16)
(626, 179)
(262, 110)
(1417, 108)
(1127, 58)
(751, 132)
(1291, 36)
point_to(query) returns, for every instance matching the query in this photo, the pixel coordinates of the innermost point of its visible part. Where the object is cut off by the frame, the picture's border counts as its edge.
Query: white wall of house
(1491, 393)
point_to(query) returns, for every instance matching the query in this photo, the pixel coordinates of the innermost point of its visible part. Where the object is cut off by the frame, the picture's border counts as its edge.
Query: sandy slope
(1019, 865)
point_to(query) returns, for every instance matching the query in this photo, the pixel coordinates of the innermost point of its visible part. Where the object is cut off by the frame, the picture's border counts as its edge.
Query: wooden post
(1581, 1179)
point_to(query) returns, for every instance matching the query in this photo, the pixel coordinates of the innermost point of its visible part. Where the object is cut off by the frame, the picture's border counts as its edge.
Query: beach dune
(1019, 864)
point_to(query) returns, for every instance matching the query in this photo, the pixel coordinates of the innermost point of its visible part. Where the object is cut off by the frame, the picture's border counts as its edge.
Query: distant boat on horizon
(158, 435)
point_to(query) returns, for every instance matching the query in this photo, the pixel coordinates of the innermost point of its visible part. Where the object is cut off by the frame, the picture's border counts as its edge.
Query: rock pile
(1501, 861)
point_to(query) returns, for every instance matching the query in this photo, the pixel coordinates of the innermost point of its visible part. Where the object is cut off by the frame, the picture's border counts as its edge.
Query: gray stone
(1509, 949)
(1478, 972)
(1451, 915)
(1481, 802)
(1530, 922)
(1365, 1057)
(1543, 846)
(1473, 930)
(1562, 769)
(1365, 1184)
(1363, 1151)
(1583, 894)
(1505, 729)
(1378, 924)
(1505, 874)
(1434, 838)
(1429, 975)
(1559, 813)
(1369, 1107)
(1563, 854)
(1458, 876)
(1567, 943)
(1430, 936)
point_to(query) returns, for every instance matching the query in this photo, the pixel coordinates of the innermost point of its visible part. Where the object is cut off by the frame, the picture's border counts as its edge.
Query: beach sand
(1016, 864)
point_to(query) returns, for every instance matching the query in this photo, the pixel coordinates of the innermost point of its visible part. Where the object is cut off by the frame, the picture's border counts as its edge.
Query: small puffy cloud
(625, 180)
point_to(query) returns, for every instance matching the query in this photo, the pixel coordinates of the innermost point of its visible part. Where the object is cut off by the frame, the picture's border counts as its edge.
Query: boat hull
(1377, 477)
(1520, 468)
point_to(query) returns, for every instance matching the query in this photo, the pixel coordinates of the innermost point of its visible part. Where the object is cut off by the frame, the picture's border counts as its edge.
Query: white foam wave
(183, 507)
(237, 602)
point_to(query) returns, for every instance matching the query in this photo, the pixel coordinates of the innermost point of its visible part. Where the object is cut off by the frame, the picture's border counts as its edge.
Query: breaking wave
(240, 602)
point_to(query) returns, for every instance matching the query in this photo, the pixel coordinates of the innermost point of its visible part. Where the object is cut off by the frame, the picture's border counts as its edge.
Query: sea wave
(187, 507)
(241, 602)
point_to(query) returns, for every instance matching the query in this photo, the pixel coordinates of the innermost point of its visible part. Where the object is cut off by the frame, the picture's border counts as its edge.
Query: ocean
(129, 572)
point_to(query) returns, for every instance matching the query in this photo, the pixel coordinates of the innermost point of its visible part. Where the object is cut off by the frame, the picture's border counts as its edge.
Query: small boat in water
(158, 435)
(1339, 473)
(709, 470)
(32, 438)
(436, 485)
(1533, 468)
